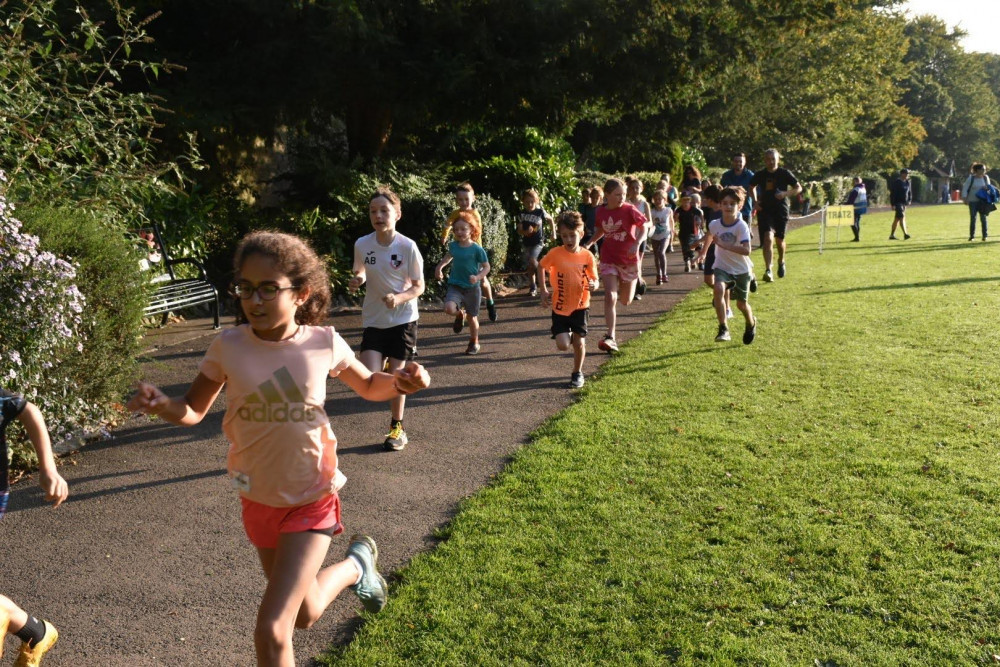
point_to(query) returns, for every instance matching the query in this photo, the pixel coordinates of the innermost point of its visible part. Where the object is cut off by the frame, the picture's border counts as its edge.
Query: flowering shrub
(42, 317)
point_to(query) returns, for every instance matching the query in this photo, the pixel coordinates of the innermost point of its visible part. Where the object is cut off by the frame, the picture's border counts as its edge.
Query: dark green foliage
(877, 188)
(592, 178)
(834, 191)
(116, 293)
(424, 218)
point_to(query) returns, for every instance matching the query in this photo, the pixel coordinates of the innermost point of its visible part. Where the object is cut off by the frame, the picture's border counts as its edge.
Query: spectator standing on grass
(37, 636)
(733, 268)
(774, 186)
(283, 452)
(531, 228)
(465, 199)
(392, 267)
(900, 197)
(858, 198)
(739, 175)
(572, 273)
(468, 271)
(621, 227)
(976, 180)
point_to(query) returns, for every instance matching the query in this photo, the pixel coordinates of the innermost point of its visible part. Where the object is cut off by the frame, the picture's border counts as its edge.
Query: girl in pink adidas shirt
(283, 453)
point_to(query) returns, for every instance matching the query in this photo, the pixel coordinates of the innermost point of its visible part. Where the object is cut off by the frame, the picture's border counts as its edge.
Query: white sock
(361, 571)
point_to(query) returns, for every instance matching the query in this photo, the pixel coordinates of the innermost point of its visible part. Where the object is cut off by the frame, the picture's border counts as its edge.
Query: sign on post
(835, 216)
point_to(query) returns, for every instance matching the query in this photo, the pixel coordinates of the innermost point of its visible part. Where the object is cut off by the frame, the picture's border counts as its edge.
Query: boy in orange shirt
(572, 272)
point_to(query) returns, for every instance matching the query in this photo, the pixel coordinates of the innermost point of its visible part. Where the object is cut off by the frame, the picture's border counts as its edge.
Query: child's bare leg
(562, 342)
(719, 301)
(744, 307)
(18, 617)
(291, 571)
(487, 289)
(710, 280)
(729, 294)
(474, 329)
(451, 307)
(626, 291)
(579, 352)
(610, 303)
(398, 404)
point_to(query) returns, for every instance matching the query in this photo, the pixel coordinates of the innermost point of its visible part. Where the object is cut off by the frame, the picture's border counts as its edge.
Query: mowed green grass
(827, 495)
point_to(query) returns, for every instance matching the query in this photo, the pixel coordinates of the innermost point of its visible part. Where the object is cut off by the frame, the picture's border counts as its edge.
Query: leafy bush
(835, 190)
(424, 219)
(877, 188)
(43, 322)
(109, 278)
(592, 178)
(922, 191)
(714, 174)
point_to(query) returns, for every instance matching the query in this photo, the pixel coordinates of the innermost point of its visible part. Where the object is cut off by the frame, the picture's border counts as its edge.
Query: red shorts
(264, 523)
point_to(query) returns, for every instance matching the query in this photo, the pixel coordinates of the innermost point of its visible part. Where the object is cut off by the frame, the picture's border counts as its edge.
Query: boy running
(572, 273)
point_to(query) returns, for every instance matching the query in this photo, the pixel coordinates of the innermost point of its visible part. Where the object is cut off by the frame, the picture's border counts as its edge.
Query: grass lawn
(824, 496)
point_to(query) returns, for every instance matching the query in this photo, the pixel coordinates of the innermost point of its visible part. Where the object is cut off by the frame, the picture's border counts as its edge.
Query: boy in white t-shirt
(393, 269)
(733, 268)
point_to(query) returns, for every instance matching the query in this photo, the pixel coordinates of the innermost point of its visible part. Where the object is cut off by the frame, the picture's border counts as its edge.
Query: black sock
(395, 422)
(32, 632)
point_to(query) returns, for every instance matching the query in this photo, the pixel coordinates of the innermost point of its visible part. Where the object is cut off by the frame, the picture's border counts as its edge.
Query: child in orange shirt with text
(283, 453)
(572, 273)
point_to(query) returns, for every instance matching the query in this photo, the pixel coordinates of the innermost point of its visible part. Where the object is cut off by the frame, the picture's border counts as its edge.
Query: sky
(979, 18)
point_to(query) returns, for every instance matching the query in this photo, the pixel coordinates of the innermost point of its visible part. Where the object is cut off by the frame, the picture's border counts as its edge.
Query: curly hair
(295, 258)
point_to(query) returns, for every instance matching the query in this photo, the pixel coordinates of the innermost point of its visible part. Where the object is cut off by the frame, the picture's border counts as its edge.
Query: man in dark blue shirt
(900, 196)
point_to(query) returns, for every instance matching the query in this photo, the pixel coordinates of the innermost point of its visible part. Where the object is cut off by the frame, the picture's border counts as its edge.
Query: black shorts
(576, 322)
(900, 210)
(710, 261)
(397, 342)
(772, 221)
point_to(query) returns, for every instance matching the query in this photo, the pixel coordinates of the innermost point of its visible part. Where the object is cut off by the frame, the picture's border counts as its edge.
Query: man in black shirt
(900, 196)
(774, 186)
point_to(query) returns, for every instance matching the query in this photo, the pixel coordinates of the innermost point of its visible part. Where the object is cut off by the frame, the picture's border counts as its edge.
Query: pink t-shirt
(621, 229)
(282, 450)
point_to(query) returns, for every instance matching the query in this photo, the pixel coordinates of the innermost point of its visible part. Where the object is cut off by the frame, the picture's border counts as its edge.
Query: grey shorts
(469, 297)
(740, 284)
(531, 252)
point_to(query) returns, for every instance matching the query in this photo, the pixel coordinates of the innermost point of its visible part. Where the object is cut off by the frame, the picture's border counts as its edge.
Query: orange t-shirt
(282, 451)
(569, 273)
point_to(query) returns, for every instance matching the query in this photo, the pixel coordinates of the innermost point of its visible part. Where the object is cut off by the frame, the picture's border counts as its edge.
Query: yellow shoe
(4, 622)
(32, 657)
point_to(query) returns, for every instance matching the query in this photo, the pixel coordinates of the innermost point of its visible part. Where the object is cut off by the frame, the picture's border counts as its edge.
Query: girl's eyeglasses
(266, 292)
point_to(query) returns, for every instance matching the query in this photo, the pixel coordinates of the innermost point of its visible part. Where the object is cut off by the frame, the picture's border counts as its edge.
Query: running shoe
(640, 287)
(459, 322)
(723, 334)
(906, 236)
(781, 270)
(729, 313)
(607, 344)
(768, 278)
(753, 283)
(32, 656)
(396, 439)
(576, 380)
(491, 308)
(472, 349)
(533, 292)
(372, 589)
(750, 332)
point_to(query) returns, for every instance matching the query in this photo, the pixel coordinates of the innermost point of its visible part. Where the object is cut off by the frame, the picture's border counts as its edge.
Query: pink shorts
(624, 272)
(264, 523)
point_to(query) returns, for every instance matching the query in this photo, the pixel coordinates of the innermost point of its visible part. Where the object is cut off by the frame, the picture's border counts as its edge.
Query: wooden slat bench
(173, 293)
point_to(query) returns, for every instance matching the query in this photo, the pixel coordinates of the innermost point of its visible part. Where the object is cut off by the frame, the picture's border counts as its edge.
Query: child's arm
(598, 235)
(53, 485)
(445, 261)
(542, 286)
(705, 245)
(384, 386)
(358, 270)
(742, 248)
(552, 223)
(484, 270)
(394, 299)
(186, 410)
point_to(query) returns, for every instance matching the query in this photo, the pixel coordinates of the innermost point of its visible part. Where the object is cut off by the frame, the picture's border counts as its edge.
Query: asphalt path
(147, 563)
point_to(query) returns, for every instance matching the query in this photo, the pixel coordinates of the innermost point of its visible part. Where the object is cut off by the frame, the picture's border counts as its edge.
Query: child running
(530, 223)
(465, 198)
(633, 195)
(283, 453)
(733, 268)
(572, 273)
(393, 268)
(622, 228)
(467, 274)
(690, 221)
(37, 636)
(663, 228)
(713, 211)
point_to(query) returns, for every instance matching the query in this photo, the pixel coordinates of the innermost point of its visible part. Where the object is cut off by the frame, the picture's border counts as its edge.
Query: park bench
(173, 293)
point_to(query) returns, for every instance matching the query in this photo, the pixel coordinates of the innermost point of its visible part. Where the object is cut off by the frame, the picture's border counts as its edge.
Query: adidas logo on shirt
(274, 407)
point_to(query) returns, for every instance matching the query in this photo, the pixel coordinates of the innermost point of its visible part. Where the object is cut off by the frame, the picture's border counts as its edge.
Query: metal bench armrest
(202, 274)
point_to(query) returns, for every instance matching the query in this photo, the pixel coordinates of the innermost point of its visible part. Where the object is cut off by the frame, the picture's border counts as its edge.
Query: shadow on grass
(897, 286)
